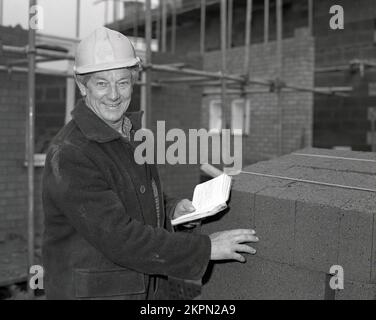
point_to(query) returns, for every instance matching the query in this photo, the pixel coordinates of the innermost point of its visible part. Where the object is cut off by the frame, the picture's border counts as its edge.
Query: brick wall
(49, 109)
(49, 118)
(13, 173)
(296, 107)
(354, 41)
(343, 121)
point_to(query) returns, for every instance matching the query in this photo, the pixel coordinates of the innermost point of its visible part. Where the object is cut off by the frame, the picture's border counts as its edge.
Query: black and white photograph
(188, 154)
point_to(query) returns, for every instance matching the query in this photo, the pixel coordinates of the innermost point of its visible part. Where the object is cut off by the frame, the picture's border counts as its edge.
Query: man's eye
(123, 83)
(101, 84)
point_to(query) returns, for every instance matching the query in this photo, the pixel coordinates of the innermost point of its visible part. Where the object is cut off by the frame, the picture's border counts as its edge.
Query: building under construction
(273, 69)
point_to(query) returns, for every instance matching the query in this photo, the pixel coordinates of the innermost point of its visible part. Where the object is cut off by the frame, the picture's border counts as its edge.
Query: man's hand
(182, 208)
(226, 245)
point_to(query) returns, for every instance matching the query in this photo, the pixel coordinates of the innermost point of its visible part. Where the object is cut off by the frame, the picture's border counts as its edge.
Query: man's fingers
(240, 232)
(244, 248)
(238, 257)
(246, 238)
(191, 224)
(187, 205)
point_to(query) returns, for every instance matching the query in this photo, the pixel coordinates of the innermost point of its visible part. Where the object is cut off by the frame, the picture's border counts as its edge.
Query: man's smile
(113, 106)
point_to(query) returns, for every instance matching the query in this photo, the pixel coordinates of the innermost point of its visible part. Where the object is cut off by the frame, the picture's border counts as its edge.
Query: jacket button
(142, 189)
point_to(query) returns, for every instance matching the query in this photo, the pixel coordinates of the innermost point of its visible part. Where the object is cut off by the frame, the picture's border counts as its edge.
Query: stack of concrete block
(304, 228)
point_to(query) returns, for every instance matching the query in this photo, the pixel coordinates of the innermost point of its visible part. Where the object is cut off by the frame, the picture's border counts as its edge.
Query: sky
(60, 15)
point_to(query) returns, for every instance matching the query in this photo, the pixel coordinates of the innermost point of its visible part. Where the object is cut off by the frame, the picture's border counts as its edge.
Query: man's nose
(114, 93)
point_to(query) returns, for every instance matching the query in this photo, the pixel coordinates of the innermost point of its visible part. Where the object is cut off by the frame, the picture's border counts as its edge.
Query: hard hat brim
(107, 66)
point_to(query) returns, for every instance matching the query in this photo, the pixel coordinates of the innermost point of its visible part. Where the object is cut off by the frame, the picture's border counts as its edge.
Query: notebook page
(208, 194)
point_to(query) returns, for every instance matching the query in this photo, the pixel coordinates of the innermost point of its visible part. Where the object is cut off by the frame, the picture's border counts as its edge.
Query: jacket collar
(94, 128)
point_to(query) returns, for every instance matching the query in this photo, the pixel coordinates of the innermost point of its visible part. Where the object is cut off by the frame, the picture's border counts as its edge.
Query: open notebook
(209, 198)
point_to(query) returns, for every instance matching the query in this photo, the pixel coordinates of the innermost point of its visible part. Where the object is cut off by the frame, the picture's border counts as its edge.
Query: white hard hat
(104, 49)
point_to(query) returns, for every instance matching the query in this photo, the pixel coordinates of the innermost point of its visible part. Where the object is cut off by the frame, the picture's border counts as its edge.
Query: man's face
(108, 93)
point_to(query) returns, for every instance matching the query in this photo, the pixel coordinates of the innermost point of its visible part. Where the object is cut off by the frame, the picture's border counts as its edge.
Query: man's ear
(81, 86)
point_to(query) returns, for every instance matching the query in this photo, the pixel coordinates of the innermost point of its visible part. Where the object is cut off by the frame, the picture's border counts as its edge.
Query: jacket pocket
(107, 283)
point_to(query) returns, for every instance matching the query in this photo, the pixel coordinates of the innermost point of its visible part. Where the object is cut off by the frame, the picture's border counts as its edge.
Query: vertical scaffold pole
(173, 28)
(310, 17)
(247, 40)
(266, 21)
(229, 22)
(279, 31)
(30, 147)
(135, 22)
(78, 14)
(224, 63)
(164, 25)
(202, 27)
(1, 12)
(148, 92)
(158, 25)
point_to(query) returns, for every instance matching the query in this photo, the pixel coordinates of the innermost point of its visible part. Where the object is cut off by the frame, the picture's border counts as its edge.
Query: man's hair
(84, 78)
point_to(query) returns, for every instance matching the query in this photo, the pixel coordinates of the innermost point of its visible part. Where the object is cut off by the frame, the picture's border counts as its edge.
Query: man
(107, 221)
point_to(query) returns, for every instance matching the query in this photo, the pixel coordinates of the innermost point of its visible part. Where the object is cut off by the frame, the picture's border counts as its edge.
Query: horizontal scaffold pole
(39, 52)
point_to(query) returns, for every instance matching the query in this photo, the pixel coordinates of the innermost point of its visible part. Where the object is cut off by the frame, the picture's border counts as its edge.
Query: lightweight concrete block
(355, 245)
(322, 195)
(238, 215)
(316, 236)
(252, 183)
(274, 222)
(356, 291)
(308, 227)
(261, 279)
(339, 153)
(315, 158)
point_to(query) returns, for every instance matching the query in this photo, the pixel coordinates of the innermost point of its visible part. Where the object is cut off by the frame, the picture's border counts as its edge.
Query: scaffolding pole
(229, 22)
(310, 17)
(242, 80)
(373, 140)
(247, 41)
(135, 23)
(266, 21)
(37, 70)
(30, 149)
(238, 91)
(202, 26)
(279, 74)
(183, 79)
(330, 91)
(164, 25)
(39, 52)
(25, 61)
(157, 24)
(194, 72)
(1, 12)
(78, 4)
(148, 27)
(223, 54)
(173, 29)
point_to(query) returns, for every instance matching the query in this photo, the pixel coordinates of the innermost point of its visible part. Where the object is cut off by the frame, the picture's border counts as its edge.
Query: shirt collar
(94, 128)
